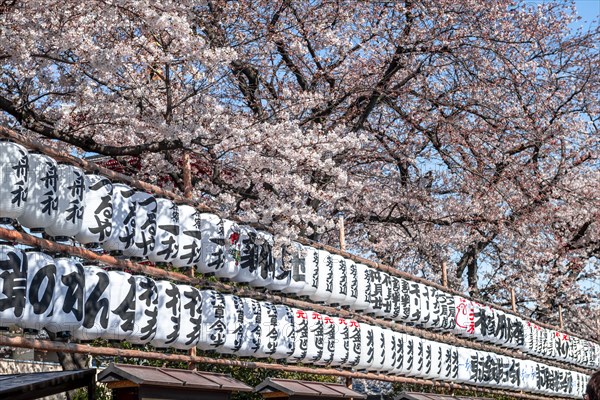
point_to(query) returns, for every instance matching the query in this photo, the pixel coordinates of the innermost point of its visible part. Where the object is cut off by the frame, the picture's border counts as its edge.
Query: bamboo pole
(342, 230)
(560, 316)
(513, 300)
(95, 168)
(48, 345)
(444, 274)
(187, 176)
(342, 233)
(247, 291)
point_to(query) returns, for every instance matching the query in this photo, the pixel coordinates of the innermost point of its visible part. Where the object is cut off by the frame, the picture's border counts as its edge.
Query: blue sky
(589, 10)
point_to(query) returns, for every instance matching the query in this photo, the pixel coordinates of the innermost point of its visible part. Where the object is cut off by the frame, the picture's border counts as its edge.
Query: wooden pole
(187, 193)
(248, 291)
(444, 274)
(343, 248)
(95, 168)
(513, 299)
(187, 176)
(560, 317)
(114, 352)
(342, 233)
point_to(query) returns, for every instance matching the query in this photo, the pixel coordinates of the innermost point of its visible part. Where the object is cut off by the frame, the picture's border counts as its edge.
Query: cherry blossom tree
(458, 132)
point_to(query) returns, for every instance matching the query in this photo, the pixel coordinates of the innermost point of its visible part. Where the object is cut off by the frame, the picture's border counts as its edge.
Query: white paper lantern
(328, 341)
(426, 318)
(146, 310)
(96, 304)
(213, 328)
(431, 363)
(14, 180)
(396, 299)
(367, 347)
(314, 351)
(420, 365)
(363, 299)
(252, 327)
(234, 325)
(123, 219)
(191, 311)
(465, 317)
(68, 303)
(122, 297)
(72, 186)
(325, 277)
(13, 283)
(144, 225)
(169, 318)
(352, 284)
(445, 310)
(340, 280)
(249, 253)
(220, 253)
(269, 338)
(281, 277)
(286, 333)
(386, 306)
(465, 362)
(41, 289)
(41, 207)
(189, 237)
(232, 251)
(303, 280)
(388, 350)
(265, 260)
(449, 362)
(96, 225)
(411, 347)
(436, 366)
(213, 244)
(166, 239)
(379, 349)
(300, 335)
(415, 294)
(341, 349)
(354, 343)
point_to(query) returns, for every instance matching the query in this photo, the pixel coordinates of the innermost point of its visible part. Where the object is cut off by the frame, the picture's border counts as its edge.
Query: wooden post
(187, 176)
(343, 248)
(513, 300)
(342, 234)
(560, 317)
(444, 274)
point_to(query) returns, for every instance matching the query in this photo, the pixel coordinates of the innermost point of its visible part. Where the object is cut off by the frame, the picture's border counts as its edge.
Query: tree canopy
(458, 132)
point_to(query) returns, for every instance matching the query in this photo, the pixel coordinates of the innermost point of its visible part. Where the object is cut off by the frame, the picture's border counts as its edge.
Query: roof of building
(433, 396)
(41, 384)
(307, 388)
(154, 376)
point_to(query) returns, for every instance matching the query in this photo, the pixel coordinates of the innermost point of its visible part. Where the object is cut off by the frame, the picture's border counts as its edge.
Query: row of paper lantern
(60, 294)
(65, 202)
